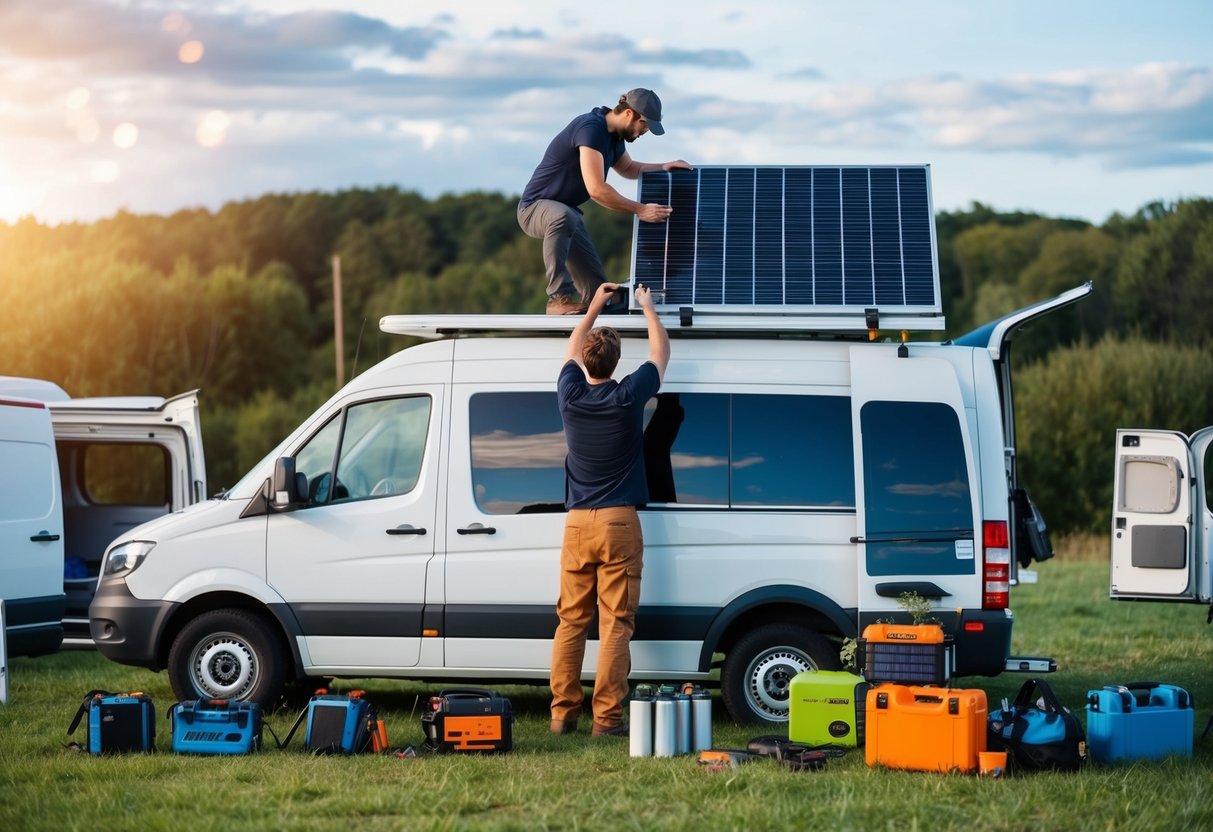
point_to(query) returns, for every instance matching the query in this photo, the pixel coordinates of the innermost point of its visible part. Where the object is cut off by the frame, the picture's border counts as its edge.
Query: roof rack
(684, 322)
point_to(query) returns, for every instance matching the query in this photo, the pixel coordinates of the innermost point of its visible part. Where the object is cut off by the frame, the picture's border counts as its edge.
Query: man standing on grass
(574, 169)
(603, 549)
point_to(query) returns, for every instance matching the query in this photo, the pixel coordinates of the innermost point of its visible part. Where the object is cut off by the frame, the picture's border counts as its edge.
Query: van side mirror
(288, 489)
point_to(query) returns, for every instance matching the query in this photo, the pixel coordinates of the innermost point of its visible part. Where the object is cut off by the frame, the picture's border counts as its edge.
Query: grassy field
(575, 782)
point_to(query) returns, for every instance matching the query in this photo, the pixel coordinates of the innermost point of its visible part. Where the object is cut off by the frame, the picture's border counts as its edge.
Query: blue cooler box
(1140, 720)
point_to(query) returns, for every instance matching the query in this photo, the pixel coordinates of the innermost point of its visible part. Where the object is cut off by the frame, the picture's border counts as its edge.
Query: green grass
(574, 782)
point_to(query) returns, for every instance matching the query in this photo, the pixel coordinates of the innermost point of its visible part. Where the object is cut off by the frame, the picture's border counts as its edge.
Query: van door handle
(477, 528)
(44, 537)
(405, 528)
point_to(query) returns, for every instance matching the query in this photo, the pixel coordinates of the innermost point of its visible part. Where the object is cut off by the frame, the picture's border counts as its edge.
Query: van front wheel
(758, 670)
(227, 654)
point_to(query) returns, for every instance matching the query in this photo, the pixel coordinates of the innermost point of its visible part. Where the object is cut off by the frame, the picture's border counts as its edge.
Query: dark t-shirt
(559, 176)
(604, 428)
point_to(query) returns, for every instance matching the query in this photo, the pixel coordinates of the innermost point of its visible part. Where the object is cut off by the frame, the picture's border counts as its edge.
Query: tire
(228, 654)
(758, 670)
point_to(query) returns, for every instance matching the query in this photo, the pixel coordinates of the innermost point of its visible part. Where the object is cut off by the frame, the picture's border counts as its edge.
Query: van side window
(123, 474)
(918, 504)
(701, 449)
(377, 448)
(518, 452)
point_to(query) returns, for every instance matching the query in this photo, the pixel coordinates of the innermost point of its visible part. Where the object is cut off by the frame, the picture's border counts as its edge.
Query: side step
(1030, 664)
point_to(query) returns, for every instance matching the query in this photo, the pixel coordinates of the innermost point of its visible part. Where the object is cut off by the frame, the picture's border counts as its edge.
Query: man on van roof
(603, 550)
(573, 169)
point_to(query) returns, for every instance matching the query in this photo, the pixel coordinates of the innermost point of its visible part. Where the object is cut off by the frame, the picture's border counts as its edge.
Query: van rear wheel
(228, 654)
(757, 673)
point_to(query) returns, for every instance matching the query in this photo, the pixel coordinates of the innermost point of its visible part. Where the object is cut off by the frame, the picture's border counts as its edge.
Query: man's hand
(644, 297)
(602, 295)
(677, 163)
(652, 212)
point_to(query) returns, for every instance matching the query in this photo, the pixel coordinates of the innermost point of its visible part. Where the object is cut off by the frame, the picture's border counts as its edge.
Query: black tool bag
(1037, 731)
(468, 719)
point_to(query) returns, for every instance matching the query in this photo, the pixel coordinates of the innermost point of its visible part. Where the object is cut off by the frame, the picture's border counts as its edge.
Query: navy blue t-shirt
(604, 427)
(559, 176)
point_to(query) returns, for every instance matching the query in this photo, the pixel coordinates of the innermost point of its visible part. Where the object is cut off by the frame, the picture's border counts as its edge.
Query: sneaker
(565, 305)
(563, 726)
(620, 730)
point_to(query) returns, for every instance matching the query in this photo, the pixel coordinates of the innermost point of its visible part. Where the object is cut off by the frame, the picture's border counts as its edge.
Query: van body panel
(1161, 516)
(31, 529)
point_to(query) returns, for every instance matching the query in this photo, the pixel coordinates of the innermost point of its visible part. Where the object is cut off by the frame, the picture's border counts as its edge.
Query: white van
(1162, 517)
(117, 462)
(31, 529)
(411, 527)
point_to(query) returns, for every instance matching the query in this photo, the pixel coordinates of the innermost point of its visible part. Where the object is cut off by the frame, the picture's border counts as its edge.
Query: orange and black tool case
(468, 720)
(925, 728)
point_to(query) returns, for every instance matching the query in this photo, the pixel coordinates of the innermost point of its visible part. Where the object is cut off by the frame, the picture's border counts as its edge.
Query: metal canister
(640, 729)
(701, 719)
(682, 719)
(665, 727)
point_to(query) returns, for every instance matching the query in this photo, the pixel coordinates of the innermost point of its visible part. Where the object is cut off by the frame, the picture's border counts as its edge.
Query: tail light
(996, 573)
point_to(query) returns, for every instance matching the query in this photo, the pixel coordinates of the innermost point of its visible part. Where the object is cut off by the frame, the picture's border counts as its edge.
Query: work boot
(620, 730)
(563, 726)
(565, 305)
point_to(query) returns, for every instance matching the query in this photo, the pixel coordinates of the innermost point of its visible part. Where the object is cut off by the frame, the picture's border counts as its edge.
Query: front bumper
(126, 629)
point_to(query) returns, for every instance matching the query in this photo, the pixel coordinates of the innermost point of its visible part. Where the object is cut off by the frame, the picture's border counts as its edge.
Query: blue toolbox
(116, 722)
(826, 707)
(1140, 720)
(215, 726)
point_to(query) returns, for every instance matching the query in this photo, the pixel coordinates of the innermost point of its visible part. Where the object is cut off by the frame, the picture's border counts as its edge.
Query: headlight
(127, 557)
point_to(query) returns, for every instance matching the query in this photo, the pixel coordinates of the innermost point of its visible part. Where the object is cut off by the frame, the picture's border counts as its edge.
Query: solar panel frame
(832, 240)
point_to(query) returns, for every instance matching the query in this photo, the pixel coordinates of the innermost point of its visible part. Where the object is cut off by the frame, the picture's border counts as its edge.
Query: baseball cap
(648, 105)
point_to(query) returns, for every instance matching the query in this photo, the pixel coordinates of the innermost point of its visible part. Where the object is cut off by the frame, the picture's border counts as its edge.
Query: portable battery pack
(827, 707)
(117, 722)
(215, 726)
(468, 720)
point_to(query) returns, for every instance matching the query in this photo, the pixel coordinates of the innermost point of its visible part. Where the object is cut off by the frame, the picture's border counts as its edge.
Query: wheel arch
(278, 615)
(793, 604)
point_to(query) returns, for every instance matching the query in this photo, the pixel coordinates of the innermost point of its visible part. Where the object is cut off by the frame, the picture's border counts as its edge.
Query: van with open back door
(804, 473)
(1162, 517)
(117, 462)
(31, 529)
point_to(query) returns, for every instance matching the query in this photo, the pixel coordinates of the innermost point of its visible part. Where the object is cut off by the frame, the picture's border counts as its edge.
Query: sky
(1068, 108)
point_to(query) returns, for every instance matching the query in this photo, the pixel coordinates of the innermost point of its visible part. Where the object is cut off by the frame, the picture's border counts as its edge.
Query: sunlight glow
(191, 52)
(77, 99)
(125, 135)
(212, 130)
(104, 172)
(176, 24)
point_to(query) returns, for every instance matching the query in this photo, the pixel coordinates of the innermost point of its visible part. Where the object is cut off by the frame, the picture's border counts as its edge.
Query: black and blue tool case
(215, 726)
(117, 722)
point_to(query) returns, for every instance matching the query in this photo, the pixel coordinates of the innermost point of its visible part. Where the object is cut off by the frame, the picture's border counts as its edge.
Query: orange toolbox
(906, 654)
(925, 728)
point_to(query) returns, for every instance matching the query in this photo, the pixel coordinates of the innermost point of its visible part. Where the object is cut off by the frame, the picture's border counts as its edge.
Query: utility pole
(338, 329)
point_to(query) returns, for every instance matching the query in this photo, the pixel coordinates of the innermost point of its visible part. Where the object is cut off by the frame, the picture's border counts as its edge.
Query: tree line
(239, 302)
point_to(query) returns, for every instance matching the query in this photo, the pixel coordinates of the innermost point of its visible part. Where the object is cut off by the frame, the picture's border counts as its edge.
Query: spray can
(701, 719)
(682, 718)
(640, 730)
(665, 727)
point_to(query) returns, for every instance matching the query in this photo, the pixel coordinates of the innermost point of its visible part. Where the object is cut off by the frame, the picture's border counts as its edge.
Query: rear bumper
(982, 639)
(126, 629)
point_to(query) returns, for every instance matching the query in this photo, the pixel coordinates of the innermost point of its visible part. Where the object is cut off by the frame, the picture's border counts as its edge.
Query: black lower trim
(127, 629)
(33, 626)
(538, 621)
(369, 620)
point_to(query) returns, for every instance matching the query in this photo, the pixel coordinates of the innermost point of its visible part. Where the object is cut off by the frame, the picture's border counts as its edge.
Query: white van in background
(31, 529)
(411, 527)
(117, 462)
(1162, 517)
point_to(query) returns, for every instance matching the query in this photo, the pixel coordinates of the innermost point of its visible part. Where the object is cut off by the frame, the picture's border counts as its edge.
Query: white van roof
(32, 388)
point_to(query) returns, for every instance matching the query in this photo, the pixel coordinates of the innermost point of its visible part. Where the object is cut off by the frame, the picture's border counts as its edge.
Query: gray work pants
(569, 258)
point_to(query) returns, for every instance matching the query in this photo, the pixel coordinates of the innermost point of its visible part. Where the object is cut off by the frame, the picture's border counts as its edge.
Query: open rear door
(1153, 545)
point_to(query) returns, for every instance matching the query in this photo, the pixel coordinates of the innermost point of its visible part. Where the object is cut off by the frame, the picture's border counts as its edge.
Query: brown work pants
(600, 564)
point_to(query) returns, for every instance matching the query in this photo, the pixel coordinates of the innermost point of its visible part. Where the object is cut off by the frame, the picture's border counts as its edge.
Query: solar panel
(791, 240)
